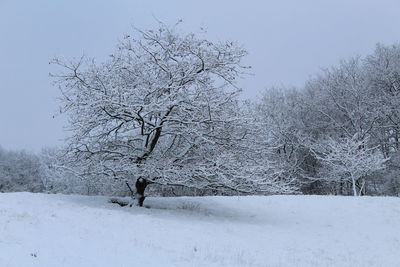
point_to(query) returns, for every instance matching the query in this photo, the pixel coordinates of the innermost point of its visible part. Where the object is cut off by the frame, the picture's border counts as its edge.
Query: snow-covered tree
(20, 171)
(339, 102)
(348, 159)
(280, 110)
(383, 70)
(164, 109)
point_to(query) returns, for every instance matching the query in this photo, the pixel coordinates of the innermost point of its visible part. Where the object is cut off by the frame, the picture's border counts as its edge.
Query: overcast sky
(288, 41)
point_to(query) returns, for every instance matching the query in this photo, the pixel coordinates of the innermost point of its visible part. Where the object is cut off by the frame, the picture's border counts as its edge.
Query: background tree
(349, 159)
(383, 70)
(20, 171)
(358, 97)
(280, 111)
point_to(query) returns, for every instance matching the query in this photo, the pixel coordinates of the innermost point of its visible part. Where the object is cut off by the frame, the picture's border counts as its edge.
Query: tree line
(341, 130)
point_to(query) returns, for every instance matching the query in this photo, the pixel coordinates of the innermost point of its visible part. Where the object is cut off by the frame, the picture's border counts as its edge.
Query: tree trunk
(138, 197)
(341, 190)
(362, 187)
(141, 185)
(354, 186)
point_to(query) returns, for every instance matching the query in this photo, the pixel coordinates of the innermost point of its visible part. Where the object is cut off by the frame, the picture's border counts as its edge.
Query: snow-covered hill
(60, 230)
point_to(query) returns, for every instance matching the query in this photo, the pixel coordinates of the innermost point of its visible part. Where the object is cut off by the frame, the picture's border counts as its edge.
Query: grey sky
(287, 40)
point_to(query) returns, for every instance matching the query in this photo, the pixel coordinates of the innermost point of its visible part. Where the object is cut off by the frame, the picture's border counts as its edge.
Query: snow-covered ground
(60, 230)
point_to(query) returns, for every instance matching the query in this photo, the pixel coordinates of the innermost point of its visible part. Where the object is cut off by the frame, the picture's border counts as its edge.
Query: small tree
(349, 159)
(164, 109)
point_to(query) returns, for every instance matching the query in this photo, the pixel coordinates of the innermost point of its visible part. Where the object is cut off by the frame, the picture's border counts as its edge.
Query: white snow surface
(71, 230)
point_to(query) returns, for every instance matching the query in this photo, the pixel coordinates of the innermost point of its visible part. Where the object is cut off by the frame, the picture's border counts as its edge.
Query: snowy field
(60, 230)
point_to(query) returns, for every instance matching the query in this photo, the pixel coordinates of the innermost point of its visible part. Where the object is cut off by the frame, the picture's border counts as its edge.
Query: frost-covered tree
(338, 102)
(280, 110)
(358, 97)
(164, 109)
(383, 70)
(349, 159)
(20, 171)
